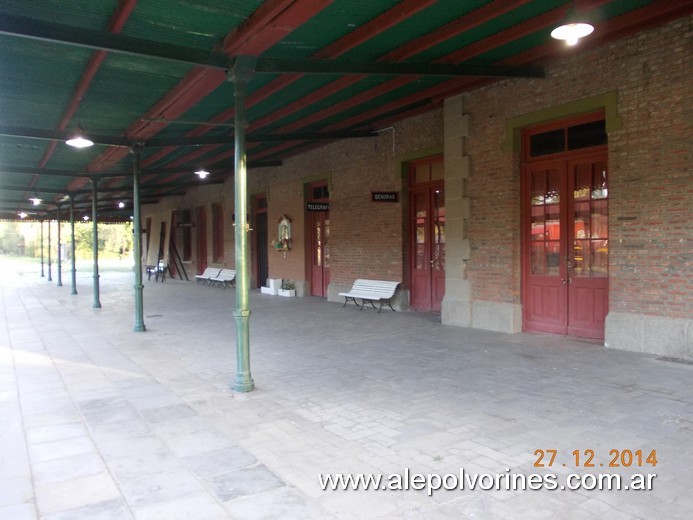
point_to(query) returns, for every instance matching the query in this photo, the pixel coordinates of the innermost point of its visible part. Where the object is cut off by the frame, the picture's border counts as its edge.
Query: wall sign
(317, 206)
(384, 196)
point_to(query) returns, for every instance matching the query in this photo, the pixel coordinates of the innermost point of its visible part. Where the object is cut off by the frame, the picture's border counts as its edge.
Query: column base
(241, 384)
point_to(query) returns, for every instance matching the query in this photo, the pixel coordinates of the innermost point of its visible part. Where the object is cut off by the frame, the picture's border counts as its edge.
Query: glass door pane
(420, 230)
(590, 221)
(438, 230)
(545, 222)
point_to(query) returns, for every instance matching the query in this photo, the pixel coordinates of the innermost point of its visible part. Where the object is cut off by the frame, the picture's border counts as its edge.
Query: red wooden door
(565, 236)
(588, 246)
(201, 239)
(319, 243)
(545, 294)
(427, 244)
(320, 253)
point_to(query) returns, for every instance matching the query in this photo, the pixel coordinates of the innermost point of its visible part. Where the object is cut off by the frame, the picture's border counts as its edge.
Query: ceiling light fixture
(85, 218)
(22, 214)
(572, 32)
(35, 200)
(78, 140)
(121, 204)
(202, 173)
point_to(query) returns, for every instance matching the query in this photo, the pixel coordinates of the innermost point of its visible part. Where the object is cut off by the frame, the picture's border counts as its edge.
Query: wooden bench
(225, 278)
(209, 273)
(371, 291)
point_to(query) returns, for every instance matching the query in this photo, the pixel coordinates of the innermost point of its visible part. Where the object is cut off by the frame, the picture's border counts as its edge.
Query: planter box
(268, 290)
(287, 292)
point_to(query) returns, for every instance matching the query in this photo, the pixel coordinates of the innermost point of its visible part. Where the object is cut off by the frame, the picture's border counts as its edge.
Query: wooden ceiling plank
(197, 84)
(381, 89)
(267, 90)
(384, 21)
(115, 25)
(379, 24)
(317, 95)
(272, 22)
(651, 15)
(465, 23)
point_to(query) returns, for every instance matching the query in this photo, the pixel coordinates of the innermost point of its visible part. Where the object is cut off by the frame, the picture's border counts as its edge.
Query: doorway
(565, 228)
(201, 239)
(318, 219)
(261, 241)
(427, 234)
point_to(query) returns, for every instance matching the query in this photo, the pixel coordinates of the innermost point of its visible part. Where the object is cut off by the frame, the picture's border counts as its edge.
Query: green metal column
(240, 74)
(42, 275)
(72, 245)
(95, 233)
(60, 260)
(50, 278)
(137, 238)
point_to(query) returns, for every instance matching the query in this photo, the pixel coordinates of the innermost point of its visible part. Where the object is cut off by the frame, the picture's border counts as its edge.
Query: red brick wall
(651, 189)
(366, 239)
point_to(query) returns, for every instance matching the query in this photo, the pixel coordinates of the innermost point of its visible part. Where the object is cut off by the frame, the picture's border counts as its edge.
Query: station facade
(559, 205)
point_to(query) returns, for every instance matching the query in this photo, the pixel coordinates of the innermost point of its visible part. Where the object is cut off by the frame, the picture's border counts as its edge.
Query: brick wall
(366, 238)
(651, 189)
(651, 193)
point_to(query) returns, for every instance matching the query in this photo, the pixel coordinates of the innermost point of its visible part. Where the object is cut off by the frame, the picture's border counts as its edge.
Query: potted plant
(288, 288)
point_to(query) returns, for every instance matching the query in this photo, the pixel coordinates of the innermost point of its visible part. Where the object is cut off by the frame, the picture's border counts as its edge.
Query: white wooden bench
(209, 273)
(225, 278)
(371, 291)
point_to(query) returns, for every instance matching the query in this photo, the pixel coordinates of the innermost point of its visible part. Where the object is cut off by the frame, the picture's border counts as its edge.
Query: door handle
(566, 281)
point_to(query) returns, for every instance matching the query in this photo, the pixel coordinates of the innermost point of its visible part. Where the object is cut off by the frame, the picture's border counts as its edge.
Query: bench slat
(225, 277)
(370, 291)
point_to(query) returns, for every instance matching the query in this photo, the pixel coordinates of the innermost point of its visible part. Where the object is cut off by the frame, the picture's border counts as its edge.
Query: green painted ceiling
(50, 85)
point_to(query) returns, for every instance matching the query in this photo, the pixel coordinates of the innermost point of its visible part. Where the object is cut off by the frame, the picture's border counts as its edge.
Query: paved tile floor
(100, 422)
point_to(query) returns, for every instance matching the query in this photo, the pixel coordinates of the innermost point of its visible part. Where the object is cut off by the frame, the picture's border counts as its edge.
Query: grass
(27, 264)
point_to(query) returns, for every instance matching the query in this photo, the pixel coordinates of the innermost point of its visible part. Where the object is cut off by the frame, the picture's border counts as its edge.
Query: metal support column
(50, 278)
(73, 260)
(42, 275)
(240, 74)
(137, 238)
(95, 228)
(60, 260)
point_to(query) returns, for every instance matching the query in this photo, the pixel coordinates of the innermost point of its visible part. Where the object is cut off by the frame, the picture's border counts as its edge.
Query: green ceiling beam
(275, 66)
(44, 31)
(149, 187)
(99, 40)
(59, 135)
(51, 172)
(256, 138)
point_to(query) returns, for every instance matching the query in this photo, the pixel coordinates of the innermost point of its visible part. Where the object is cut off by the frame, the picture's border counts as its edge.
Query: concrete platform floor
(100, 422)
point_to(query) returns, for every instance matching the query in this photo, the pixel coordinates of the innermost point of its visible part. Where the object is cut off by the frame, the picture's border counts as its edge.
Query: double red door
(319, 233)
(320, 253)
(427, 280)
(566, 245)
